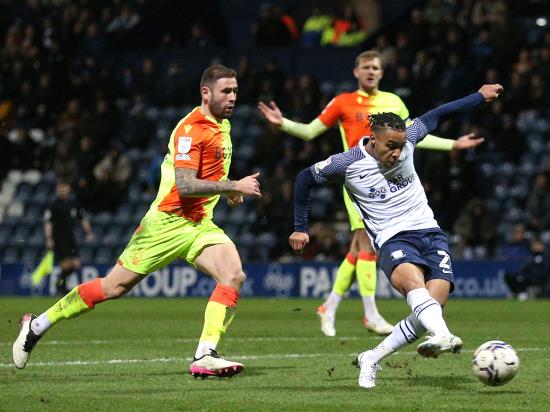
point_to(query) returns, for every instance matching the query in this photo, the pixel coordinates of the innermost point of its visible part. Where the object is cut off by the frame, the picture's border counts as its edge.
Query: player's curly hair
(386, 121)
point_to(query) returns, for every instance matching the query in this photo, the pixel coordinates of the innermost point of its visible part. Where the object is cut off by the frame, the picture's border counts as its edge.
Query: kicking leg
(223, 264)
(79, 300)
(408, 279)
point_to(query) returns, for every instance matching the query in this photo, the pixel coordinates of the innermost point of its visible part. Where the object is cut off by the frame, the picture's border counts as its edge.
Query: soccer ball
(495, 363)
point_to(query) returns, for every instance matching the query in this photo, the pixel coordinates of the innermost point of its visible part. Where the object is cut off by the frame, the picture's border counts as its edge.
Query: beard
(218, 110)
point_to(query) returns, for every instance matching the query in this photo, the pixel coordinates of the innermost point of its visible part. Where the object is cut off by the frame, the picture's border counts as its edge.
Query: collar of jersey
(209, 118)
(365, 94)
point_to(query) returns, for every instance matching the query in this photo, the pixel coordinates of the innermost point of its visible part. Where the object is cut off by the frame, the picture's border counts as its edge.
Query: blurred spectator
(125, 20)
(538, 204)
(199, 36)
(65, 164)
(271, 30)
(314, 26)
(517, 248)
(530, 280)
(347, 29)
(111, 174)
(475, 229)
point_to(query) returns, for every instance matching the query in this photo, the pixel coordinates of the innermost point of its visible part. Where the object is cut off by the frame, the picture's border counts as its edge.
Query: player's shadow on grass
(447, 382)
(263, 370)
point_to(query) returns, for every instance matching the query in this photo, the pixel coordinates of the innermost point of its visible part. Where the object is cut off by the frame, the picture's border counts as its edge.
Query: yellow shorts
(353, 214)
(163, 237)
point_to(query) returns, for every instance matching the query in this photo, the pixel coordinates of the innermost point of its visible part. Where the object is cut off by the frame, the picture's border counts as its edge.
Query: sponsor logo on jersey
(183, 156)
(400, 182)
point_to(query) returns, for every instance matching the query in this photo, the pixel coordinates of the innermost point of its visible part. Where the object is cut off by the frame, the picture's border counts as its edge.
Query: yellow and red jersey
(351, 110)
(201, 143)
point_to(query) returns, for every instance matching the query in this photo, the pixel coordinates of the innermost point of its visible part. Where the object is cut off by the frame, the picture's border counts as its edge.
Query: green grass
(289, 365)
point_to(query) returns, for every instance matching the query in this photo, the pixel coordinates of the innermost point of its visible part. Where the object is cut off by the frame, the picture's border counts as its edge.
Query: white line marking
(241, 357)
(194, 340)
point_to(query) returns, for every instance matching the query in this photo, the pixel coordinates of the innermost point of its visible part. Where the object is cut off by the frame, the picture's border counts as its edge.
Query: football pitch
(132, 354)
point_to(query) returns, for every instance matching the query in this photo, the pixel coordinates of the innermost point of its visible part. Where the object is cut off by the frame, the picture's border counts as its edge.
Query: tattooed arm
(188, 185)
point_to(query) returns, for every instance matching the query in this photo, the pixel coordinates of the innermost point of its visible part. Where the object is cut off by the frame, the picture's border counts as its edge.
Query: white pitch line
(194, 340)
(241, 357)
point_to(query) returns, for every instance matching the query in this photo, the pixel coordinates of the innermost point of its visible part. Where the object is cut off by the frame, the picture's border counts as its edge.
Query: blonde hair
(369, 55)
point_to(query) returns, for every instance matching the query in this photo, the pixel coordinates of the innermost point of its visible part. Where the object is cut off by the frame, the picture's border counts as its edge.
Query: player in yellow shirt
(178, 225)
(351, 111)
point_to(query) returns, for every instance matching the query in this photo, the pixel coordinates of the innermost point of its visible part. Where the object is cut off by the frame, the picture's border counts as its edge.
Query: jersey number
(444, 264)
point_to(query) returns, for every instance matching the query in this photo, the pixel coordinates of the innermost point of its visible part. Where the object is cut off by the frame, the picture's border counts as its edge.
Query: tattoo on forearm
(188, 184)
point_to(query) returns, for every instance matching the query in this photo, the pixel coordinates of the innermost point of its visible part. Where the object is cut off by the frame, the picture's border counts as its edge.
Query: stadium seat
(104, 254)
(86, 254)
(11, 255)
(30, 254)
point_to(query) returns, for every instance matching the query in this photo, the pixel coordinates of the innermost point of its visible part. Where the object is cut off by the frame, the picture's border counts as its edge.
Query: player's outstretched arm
(487, 93)
(464, 142)
(188, 185)
(304, 131)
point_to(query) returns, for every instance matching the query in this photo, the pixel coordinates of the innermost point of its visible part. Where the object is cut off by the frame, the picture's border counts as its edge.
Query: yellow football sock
(67, 307)
(366, 273)
(79, 300)
(345, 275)
(217, 318)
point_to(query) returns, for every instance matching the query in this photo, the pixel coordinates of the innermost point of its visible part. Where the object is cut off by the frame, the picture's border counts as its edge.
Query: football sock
(220, 311)
(428, 311)
(79, 300)
(345, 275)
(366, 278)
(41, 324)
(406, 331)
(332, 302)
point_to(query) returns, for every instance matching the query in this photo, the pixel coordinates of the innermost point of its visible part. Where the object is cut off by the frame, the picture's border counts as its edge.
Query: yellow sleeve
(304, 131)
(431, 142)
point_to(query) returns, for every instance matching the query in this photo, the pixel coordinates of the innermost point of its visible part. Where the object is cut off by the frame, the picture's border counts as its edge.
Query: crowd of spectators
(64, 108)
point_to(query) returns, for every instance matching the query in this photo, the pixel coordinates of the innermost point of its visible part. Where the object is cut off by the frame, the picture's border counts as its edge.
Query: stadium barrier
(480, 279)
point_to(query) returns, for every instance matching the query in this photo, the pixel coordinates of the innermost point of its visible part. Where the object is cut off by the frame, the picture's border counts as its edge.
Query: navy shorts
(428, 248)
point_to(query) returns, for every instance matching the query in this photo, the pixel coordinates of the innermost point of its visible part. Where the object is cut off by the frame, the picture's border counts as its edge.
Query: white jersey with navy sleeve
(389, 200)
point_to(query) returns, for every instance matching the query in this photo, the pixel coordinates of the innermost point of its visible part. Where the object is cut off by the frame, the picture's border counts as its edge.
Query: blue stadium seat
(10, 255)
(104, 254)
(31, 254)
(24, 192)
(86, 254)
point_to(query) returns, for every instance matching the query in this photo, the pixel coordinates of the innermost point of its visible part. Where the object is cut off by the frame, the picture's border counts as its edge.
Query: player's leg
(366, 279)
(407, 268)
(344, 277)
(67, 267)
(80, 299)
(221, 262)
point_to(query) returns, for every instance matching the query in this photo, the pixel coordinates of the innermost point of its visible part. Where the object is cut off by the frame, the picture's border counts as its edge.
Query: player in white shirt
(380, 177)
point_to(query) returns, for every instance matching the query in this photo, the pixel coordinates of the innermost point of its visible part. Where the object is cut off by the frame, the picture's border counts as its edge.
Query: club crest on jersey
(398, 254)
(184, 144)
(321, 165)
(377, 193)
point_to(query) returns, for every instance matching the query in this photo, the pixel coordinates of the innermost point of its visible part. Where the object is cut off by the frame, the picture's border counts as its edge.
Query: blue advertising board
(308, 280)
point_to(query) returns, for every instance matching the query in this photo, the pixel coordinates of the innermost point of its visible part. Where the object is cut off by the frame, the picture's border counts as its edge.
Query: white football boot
(379, 325)
(25, 342)
(327, 321)
(212, 365)
(368, 369)
(438, 344)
